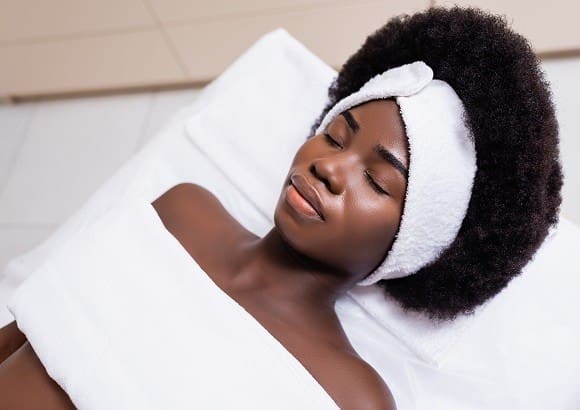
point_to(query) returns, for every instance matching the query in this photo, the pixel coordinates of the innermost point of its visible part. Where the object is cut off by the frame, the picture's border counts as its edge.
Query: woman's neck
(293, 282)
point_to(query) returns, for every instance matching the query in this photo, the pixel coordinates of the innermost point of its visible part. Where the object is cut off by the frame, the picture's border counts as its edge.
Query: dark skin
(290, 279)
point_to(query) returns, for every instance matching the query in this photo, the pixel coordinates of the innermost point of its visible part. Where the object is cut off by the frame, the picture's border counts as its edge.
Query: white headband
(441, 164)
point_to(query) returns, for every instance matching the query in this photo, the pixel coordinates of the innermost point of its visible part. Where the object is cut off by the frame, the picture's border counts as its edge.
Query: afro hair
(516, 191)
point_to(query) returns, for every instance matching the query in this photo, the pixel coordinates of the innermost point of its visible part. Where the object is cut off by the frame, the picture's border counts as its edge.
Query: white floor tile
(165, 104)
(17, 240)
(71, 148)
(14, 120)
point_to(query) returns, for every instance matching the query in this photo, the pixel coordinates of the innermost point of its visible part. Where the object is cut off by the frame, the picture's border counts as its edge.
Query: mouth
(308, 192)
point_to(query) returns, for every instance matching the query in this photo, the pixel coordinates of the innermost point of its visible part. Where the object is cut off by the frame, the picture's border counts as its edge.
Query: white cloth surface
(477, 362)
(122, 317)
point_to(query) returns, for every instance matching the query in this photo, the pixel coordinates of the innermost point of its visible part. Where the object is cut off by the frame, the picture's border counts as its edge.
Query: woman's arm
(11, 338)
(24, 384)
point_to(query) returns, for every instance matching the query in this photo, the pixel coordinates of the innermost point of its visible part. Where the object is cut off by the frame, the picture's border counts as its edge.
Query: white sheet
(122, 317)
(477, 362)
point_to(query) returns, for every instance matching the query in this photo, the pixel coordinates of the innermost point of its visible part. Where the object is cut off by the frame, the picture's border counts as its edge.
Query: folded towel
(122, 317)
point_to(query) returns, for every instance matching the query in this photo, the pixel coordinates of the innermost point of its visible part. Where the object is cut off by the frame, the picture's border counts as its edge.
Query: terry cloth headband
(441, 164)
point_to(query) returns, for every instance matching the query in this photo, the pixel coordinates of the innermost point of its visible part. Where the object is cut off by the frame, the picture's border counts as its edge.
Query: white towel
(122, 317)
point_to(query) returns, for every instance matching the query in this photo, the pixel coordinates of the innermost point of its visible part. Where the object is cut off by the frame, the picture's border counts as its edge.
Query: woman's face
(361, 190)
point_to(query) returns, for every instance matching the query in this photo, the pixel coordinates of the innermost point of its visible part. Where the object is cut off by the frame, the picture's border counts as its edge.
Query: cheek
(373, 228)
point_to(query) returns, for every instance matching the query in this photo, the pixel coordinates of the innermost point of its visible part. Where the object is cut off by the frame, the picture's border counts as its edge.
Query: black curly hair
(516, 191)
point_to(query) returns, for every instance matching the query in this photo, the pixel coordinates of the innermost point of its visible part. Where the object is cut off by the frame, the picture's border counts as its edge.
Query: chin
(284, 231)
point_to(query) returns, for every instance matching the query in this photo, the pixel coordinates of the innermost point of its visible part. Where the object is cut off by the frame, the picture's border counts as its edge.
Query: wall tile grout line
(270, 11)
(78, 35)
(167, 39)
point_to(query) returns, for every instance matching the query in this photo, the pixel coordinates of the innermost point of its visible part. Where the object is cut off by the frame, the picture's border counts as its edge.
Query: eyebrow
(351, 121)
(378, 148)
(387, 156)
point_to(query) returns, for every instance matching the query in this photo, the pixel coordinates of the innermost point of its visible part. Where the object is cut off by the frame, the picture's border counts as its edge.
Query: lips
(308, 192)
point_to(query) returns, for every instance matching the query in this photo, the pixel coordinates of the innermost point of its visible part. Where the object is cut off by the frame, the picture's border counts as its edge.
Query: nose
(334, 170)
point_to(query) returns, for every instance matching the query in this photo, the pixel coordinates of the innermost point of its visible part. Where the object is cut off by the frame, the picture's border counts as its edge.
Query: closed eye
(331, 140)
(374, 185)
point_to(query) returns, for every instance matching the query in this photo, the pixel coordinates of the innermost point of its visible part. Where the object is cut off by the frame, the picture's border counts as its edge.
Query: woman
(342, 206)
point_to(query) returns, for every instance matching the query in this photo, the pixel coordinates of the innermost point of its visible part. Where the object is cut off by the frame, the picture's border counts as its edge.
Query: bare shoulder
(377, 393)
(183, 188)
(187, 204)
(367, 389)
(182, 195)
(198, 220)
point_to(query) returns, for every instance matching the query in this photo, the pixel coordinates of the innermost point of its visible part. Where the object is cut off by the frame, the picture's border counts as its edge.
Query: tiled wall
(552, 27)
(65, 46)
(55, 154)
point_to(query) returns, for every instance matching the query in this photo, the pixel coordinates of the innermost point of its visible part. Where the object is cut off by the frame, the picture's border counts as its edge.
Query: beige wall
(60, 46)
(553, 27)
(70, 46)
